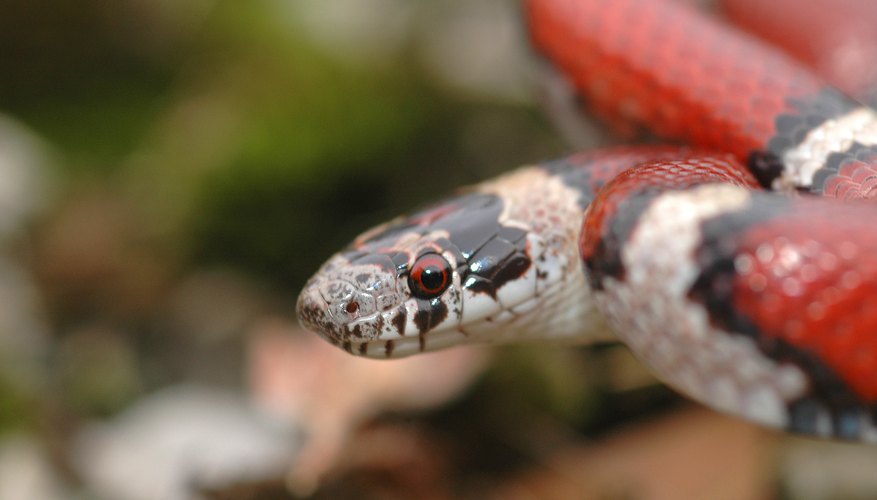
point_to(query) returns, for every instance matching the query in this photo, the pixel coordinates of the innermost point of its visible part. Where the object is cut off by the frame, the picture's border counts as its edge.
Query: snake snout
(313, 312)
(346, 304)
(352, 306)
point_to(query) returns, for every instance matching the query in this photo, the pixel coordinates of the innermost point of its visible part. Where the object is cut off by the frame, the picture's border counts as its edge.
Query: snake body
(760, 304)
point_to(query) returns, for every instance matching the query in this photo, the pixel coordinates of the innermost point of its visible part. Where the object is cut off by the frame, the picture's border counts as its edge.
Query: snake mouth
(352, 322)
(379, 335)
(373, 336)
(400, 347)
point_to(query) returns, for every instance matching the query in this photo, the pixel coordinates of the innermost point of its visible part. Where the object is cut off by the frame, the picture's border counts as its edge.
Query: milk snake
(720, 264)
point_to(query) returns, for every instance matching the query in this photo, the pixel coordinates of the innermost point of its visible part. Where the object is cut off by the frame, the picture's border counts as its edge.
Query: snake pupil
(432, 278)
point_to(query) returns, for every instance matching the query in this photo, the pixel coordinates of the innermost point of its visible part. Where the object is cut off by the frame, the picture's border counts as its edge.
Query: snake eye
(430, 276)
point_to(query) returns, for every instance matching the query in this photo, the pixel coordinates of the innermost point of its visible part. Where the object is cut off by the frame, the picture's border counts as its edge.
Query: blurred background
(170, 175)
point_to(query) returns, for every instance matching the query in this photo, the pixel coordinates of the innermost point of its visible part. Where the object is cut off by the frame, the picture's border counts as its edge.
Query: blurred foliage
(239, 138)
(203, 134)
(17, 409)
(77, 72)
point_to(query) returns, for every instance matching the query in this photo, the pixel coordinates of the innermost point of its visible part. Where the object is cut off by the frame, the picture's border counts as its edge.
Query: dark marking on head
(388, 348)
(379, 323)
(429, 314)
(477, 284)
(399, 319)
(514, 267)
(441, 216)
(511, 234)
(474, 228)
(500, 260)
(363, 348)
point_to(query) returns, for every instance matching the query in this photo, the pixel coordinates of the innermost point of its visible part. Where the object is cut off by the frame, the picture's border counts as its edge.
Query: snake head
(418, 283)
(485, 266)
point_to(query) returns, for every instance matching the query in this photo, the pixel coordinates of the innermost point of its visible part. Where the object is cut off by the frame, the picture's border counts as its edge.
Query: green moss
(16, 408)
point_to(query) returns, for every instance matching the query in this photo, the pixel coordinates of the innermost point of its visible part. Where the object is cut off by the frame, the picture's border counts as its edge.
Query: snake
(734, 254)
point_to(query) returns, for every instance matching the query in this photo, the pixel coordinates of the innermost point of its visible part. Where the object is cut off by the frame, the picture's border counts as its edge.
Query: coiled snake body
(761, 304)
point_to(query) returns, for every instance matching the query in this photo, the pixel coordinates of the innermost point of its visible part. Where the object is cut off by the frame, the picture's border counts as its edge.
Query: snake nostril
(352, 307)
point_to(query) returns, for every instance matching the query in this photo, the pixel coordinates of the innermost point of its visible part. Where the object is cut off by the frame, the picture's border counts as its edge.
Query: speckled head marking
(478, 267)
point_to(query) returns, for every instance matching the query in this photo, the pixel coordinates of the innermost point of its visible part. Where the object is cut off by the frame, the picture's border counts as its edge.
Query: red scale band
(636, 65)
(809, 278)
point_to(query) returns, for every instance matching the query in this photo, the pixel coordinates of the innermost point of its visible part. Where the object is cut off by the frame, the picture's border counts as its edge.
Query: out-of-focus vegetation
(263, 134)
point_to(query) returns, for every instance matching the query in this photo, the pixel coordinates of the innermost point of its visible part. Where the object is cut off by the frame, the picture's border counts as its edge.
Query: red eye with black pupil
(430, 276)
